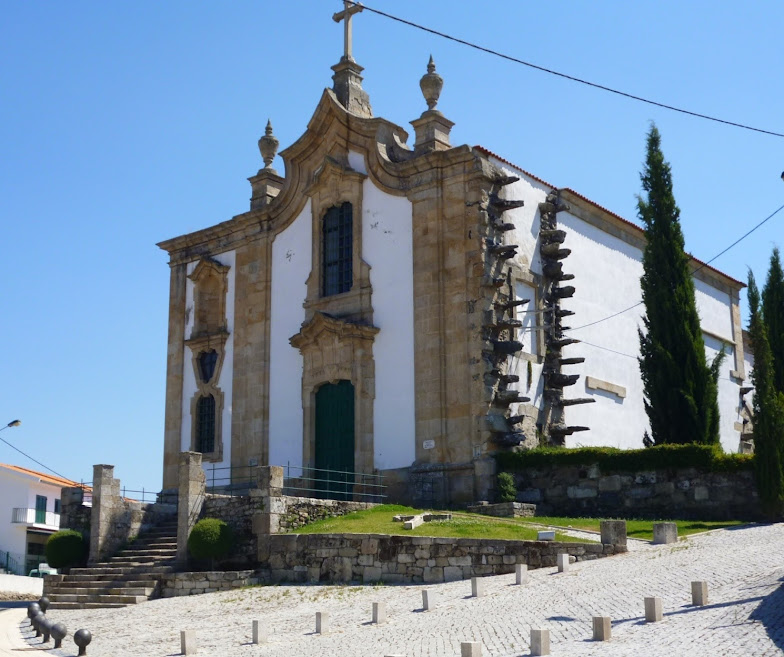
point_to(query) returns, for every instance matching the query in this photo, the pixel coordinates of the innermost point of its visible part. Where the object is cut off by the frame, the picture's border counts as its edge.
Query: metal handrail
(10, 564)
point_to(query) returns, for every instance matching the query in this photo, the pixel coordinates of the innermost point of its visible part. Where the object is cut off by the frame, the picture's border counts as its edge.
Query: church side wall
(387, 247)
(225, 381)
(291, 264)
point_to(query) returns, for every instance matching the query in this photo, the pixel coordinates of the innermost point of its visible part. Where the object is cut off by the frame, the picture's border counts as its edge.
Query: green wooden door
(40, 509)
(335, 439)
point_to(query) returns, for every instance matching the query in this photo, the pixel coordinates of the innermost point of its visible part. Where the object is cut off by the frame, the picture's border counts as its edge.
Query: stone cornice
(321, 323)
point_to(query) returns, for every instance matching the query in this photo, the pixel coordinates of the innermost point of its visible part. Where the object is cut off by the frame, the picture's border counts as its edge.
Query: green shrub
(65, 548)
(507, 492)
(210, 538)
(707, 458)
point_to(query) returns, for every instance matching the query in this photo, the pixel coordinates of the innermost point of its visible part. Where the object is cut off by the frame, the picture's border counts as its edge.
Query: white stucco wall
(607, 272)
(225, 381)
(291, 265)
(387, 247)
(19, 490)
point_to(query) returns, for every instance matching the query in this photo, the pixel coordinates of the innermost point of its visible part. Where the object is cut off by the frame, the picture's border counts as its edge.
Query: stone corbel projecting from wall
(332, 350)
(597, 384)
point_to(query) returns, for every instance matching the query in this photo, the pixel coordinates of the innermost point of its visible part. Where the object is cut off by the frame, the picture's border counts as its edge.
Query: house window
(337, 255)
(205, 424)
(57, 506)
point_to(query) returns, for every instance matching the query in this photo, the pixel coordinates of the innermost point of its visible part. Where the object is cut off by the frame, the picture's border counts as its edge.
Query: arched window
(337, 250)
(205, 425)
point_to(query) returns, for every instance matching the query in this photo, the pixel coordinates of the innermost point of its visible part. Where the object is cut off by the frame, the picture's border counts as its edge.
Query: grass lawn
(634, 528)
(465, 525)
(470, 525)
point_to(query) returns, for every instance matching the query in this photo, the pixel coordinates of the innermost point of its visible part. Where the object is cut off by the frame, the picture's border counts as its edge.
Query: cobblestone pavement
(744, 569)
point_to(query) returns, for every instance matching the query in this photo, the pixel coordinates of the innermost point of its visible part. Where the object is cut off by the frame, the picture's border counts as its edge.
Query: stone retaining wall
(301, 511)
(684, 493)
(373, 558)
(177, 584)
(238, 513)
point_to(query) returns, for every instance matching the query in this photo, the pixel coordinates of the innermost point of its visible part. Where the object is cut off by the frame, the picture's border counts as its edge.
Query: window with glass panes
(205, 424)
(337, 246)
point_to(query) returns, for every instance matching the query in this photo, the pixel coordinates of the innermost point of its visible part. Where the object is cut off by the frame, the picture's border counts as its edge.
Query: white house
(29, 514)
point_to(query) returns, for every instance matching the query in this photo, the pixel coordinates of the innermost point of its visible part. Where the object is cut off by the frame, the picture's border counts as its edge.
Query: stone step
(100, 591)
(122, 570)
(130, 577)
(102, 584)
(86, 605)
(139, 559)
(98, 598)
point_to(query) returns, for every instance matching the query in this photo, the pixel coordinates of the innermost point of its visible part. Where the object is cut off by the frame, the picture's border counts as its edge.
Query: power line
(566, 76)
(702, 266)
(35, 461)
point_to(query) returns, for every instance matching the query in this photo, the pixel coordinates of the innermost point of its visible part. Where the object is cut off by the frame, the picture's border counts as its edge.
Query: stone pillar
(106, 490)
(271, 505)
(192, 483)
(614, 533)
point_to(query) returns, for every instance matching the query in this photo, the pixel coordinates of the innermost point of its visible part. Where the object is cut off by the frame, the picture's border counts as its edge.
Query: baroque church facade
(402, 310)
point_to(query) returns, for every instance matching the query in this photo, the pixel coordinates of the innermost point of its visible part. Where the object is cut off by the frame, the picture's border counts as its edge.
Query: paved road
(745, 614)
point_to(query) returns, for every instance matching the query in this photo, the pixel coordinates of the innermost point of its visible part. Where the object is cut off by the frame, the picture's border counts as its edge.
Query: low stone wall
(504, 509)
(73, 512)
(683, 493)
(373, 558)
(301, 511)
(178, 584)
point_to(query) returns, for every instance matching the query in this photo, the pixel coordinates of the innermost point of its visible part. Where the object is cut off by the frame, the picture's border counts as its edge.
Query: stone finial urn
(268, 146)
(431, 85)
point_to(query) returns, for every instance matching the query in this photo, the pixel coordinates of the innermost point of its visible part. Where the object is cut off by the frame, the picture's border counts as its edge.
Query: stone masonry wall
(238, 513)
(301, 511)
(407, 559)
(684, 493)
(73, 513)
(177, 584)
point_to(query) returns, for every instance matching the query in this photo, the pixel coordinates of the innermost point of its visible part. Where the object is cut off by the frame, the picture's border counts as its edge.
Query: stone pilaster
(191, 498)
(106, 492)
(174, 372)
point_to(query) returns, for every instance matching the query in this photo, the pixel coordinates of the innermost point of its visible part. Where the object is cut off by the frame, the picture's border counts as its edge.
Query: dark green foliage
(768, 411)
(210, 538)
(507, 492)
(681, 389)
(773, 316)
(65, 548)
(707, 458)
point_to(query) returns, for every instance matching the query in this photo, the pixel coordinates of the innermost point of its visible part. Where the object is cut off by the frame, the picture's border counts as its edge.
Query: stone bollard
(563, 562)
(540, 642)
(44, 603)
(613, 533)
(322, 622)
(653, 610)
(188, 642)
(32, 609)
(699, 593)
(46, 629)
(470, 649)
(36, 621)
(379, 613)
(82, 639)
(427, 599)
(259, 633)
(477, 587)
(59, 632)
(665, 532)
(602, 628)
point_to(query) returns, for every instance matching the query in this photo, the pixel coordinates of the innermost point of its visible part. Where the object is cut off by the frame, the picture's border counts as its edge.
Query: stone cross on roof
(350, 8)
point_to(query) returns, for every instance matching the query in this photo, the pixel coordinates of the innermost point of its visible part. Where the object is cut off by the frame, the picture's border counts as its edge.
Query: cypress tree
(768, 411)
(773, 317)
(681, 389)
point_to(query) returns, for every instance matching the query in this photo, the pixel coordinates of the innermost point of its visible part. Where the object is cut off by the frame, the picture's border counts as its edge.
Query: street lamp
(12, 423)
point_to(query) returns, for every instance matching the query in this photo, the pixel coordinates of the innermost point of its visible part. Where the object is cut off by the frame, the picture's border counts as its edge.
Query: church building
(404, 309)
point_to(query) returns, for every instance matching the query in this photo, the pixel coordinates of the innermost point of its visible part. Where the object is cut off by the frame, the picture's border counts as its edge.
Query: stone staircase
(133, 575)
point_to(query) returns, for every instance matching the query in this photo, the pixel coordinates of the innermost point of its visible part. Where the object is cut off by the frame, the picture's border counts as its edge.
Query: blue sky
(126, 123)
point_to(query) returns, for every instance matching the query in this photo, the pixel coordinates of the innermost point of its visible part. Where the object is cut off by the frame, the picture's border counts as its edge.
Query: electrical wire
(35, 461)
(572, 78)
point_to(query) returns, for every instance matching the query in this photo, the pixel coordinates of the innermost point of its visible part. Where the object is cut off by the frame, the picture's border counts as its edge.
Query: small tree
(681, 389)
(65, 548)
(773, 317)
(210, 538)
(507, 492)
